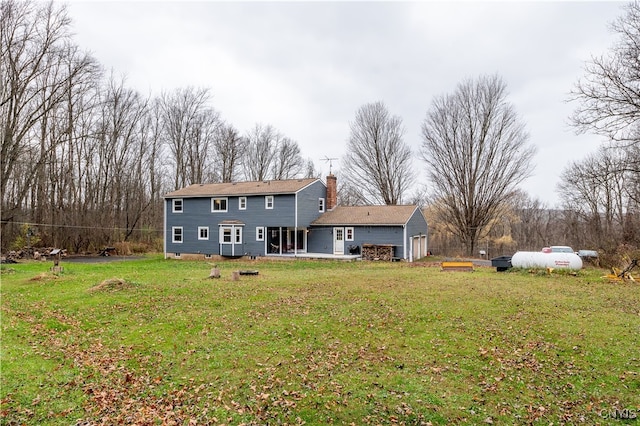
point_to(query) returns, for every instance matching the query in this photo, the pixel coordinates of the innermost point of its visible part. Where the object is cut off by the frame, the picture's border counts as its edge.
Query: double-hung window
(219, 204)
(176, 232)
(242, 203)
(225, 235)
(177, 205)
(321, 205)
(349, 234)
(203, 232)
(230, 235)
(260, 233)
(268, 202)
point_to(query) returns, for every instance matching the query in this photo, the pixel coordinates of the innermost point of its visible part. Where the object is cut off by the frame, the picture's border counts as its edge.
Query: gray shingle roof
(367, 215)
(290, 186)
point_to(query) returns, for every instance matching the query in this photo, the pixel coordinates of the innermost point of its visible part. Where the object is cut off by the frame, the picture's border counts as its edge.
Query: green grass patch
(155, 341)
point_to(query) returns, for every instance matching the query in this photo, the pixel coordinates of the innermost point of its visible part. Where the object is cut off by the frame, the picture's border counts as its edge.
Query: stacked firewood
(31, 253)
(377, 252)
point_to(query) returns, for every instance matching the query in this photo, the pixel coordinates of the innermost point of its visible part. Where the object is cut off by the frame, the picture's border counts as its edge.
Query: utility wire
(79, 227)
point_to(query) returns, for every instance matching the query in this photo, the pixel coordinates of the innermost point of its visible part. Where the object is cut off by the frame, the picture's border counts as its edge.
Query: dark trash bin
(501, 263)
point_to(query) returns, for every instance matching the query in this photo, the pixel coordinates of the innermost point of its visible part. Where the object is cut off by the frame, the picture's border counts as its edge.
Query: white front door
(338, 240)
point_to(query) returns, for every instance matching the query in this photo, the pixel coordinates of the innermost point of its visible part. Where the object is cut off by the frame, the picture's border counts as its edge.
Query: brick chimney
(332, 191)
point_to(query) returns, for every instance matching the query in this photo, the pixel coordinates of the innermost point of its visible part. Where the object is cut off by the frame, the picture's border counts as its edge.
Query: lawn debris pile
(112, 284)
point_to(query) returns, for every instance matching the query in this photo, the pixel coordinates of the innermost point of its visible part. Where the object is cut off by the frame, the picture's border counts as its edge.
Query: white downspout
(165, 228)
(220, 240)
(295, 226)
(404, 242)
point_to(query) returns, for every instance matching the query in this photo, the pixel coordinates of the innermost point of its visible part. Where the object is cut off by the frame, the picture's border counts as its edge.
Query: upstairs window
(242, 203)
(219, 204)
(321, 205)
(268, 202)
(177, 205)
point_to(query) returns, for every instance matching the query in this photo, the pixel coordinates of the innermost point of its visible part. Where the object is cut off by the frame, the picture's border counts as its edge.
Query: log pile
(31, 253)
(377, 252)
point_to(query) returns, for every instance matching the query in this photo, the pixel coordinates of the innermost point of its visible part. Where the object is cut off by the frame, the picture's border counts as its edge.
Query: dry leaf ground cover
(315, 342)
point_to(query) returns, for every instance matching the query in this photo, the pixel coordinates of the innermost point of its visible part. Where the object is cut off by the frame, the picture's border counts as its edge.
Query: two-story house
(296, 217)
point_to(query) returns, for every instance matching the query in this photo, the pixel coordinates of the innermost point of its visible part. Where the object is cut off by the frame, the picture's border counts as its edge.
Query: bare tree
(190, 125)
(270, 155)
(600, 193)
(37, 65)
(349, 195)
(79, 154)
(378, 162)
(261, 143)
(288, 162)
(476, 151)
(310, 170)
(157, 173)
(534, 228)
(603, 188)
(608, 95)
(229, 148)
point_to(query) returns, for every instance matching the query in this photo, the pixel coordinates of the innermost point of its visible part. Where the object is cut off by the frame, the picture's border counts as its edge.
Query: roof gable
(271, 187)
(367, 215)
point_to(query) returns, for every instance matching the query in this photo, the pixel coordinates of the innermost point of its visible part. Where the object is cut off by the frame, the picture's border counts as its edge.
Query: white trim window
(348, 233)
(268, 202)
(176, 234)
(260, 233)
(242, 203)
(219, 204)
(321, 205)
(177, 205)
(225, 235)
(229, 236)
(203, 232)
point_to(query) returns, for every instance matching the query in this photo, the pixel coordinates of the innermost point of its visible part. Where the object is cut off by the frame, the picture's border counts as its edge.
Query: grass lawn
(154, 341)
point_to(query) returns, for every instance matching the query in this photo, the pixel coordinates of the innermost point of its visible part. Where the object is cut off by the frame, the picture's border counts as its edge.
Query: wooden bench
(457, 266)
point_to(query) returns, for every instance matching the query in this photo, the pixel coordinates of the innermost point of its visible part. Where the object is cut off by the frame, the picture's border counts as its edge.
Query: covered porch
(286, 240)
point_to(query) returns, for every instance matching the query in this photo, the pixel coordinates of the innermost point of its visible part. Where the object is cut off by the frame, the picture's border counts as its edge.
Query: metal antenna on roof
(325, 159)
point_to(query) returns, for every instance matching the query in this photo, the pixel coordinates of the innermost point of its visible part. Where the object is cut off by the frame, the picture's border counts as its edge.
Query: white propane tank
(538, 259)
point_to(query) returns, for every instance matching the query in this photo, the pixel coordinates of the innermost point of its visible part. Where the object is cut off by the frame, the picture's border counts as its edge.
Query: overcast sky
(306, 67)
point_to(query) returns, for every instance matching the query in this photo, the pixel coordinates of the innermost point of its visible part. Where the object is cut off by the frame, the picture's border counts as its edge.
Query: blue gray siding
(416, 226)
(321, 238)
(308, 203)
(197, 213)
